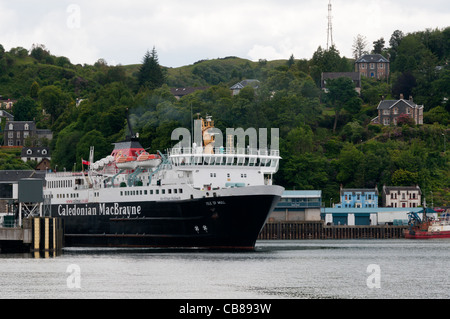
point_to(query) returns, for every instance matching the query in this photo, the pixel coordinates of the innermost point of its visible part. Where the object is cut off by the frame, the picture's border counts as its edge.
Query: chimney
(411, 98)
(401, 96)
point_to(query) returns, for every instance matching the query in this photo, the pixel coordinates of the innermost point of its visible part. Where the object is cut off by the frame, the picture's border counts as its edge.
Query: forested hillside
(86, 105)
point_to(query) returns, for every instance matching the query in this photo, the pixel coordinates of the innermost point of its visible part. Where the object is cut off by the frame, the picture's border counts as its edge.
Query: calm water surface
(277, 269)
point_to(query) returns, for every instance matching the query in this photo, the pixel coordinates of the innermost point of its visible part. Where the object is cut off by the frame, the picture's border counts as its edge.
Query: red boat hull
(426, 234)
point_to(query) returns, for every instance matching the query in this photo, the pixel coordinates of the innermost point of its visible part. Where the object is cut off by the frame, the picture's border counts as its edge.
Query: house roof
(389, 189)
(359, 190)
(186, 91)
(20, 125)
(35, 152)
(244, 83)
(387, 104)
(354, 76)
(372, 58)
(15, 176)
(6, 114)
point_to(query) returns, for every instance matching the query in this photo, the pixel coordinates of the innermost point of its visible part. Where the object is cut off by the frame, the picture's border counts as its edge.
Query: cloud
(265, 53)
(187, 31)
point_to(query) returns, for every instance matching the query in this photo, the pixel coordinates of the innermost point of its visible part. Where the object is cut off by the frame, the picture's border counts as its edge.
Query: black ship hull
(230, 222)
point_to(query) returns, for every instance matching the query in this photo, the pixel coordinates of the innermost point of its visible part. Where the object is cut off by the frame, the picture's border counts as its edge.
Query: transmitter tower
(330, 42)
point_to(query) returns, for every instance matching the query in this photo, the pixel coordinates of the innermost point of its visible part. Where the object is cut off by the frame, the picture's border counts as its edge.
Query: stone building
(16, 132)
(389, 111)
(373, 66)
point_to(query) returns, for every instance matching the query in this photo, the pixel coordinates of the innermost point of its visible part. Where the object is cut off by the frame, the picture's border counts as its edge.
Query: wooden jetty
(317, 230)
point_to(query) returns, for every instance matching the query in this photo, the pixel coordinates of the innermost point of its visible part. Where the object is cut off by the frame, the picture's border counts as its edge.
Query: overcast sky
(185, 31)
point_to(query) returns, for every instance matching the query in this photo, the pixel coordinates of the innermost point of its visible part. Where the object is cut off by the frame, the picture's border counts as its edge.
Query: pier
(317, 230)
(37, 235)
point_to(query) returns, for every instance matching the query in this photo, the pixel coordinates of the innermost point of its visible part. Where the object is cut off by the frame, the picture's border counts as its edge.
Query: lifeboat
(148, 160)
(126, 162)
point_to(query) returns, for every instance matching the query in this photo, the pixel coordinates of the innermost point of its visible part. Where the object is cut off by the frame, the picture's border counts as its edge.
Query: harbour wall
(36, 235)
(318, 230)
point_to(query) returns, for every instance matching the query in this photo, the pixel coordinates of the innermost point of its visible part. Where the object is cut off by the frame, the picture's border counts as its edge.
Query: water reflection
(35, 255)
(276, 269)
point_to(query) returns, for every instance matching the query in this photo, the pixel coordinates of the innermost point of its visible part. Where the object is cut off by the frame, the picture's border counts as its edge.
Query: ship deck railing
(225, 156)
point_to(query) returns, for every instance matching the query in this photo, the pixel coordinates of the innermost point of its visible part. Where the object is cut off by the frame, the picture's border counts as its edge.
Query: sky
(186, 31)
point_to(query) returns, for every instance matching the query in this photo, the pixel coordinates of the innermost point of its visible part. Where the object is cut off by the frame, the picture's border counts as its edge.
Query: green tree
(404, 84)
(3, 62)
(53, 101)
(34, 90)
(342, 95)
(348, 164)
(93, 138)
(437, 114)
(65, 150)
(403, 177)
(39, 52)
(291, 61)
(378, 46)
(150, 73)
(327, 61)
(396, 38)
(25, 109)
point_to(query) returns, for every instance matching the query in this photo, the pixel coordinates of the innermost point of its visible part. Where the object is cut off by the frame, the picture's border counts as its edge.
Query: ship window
(181, 191)
(121, 193)
(163, 191)
(175, 191)
(157, 191)
(145, 192)
(151, 192)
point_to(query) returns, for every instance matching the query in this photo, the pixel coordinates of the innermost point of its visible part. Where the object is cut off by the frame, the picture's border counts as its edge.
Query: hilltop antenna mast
(330, 27)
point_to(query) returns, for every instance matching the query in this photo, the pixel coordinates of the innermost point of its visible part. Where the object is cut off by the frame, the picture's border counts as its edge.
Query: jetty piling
(318, 230)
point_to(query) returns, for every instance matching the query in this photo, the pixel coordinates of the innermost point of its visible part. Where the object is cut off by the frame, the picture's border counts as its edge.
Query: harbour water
(306, 269)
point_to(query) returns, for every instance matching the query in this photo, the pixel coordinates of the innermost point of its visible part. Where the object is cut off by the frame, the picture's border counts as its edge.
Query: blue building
(358, 198)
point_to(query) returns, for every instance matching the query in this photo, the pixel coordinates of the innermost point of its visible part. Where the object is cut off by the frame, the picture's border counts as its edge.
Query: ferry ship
(202, 196)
